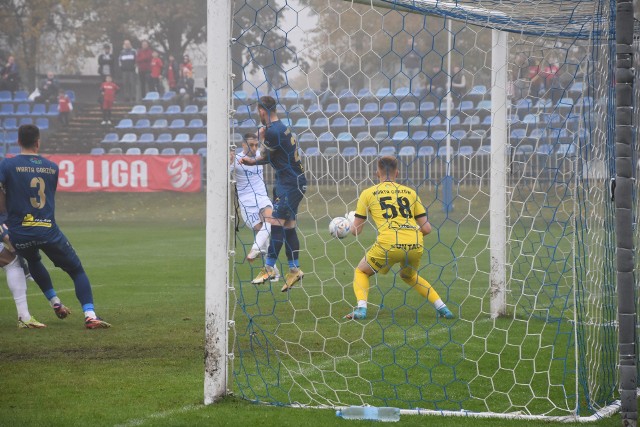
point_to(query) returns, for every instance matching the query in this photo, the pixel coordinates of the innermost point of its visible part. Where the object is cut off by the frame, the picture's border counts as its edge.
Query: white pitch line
(160, 415)
(58, 291)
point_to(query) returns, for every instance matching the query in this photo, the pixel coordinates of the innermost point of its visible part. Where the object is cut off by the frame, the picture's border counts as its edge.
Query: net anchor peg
(232, 253)
(231, 324)
(231, 356)
(232, 113)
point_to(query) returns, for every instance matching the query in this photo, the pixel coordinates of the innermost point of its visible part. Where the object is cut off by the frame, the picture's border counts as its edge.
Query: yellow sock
(361, 285)
(423, 287)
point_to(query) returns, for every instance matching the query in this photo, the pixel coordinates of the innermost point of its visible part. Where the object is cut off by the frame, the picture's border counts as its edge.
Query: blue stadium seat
(307, 138)
(97, 151)
(478, 90)
(314, 109)
(402, 92)
(151, 151)
(203, 110)
(138, 109)
(110, 138)
(400, 136)
(173, 109)
(21, 96)
(23, 110)
(471, 120)
(151, 96)
(465, 150)
(487, 121)
(407, 151)
(10, 123)
(459, 134)
(5, 96)
(53, 110)
(286, 121)
(42, 123)
(427, 107)
(6, 110)
(146, 138)
(382, 92)
(115, 150)
(439, 135)
(351, 109)
(389, 108)
(195, 124)
(25, 121)
(160, 124)
(129, 138)
(485, 104)
(433, 121)
(339, 124)
(350, 152)
(420, 136)
(455, 120)
(155, 110)
(538, 133)
(346, 96)
(312, 151)
(321, 124)
(39, 110)
(524, 149)
(387, 151)
(518, 133)
(426, 150)
(142, 124)
(544, 149)
(370, 109)
(11, 137)
(124, 124)
(240, 95)
(364, 93)
(442, 151)
(357, 124)
(531, 119)
(133, 151)
(168, 151)
(202, 152)
(71, 95)
(183, 138)
(332, 109)
(177, 124)
(190, 109)
(408, 108)
(466, 106)
(330, 151)
(168, 96)
(164, 138)
(199, 138)
(363, 136)
(345, 138)
(186, 151)
(14, 150)
(381, 136)
(302, 124)
(369, 151)
(326, 138)
(377, 124)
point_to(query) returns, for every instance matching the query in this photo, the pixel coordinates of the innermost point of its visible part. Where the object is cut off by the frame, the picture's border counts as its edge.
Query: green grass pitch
(145, 256)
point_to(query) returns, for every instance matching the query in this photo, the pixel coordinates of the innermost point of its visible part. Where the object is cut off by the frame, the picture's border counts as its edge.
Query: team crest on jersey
(30, 221)
(35, 160)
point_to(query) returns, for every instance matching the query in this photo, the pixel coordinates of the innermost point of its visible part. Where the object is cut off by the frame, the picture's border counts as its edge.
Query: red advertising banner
(115, 173)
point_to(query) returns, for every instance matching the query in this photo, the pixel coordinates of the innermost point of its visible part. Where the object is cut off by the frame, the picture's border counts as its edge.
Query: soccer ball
(339, 227)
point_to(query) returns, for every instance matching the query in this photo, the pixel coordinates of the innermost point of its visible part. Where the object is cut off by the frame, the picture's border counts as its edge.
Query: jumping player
(29, 183)
(281, 152)
(401, 222)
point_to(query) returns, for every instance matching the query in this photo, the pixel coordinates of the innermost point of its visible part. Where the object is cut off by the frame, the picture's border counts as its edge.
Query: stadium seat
(42, 123)
(286, 121)
(524, 149)
(442, 151)
(332, 109)
(471, 120)
(530, 119)
(407, 151)
(339, 124)
(133, 151)
(168, 96)
(351, 109)
(518, 134)
(138, 109)
(439, 135)
(151, 96)
(434, 121)
(358, 124)
(199, 138)
(6, 110)
(14, 149)
(23, 110)
(466, 106)
(330, 151)
(485, 104)
(11, 137)
(302, 124)
(459, 134)
(484, 150)
(115, 150)
(402, 92)
(53, 110)
(70, 94)
(321, 124)
(160, 124)
(182, 138)
(177, 124)
(110, 138)
(190, 109)
(314, 109)
(21, 96)
(240, 95)
(97, 151)
(155, 110)
(203, 110)
(164, 138)
(186, 151)
(465, 150)
(345, 138)
(387, 151)
(478, 90)
(168, 151)
(364, 93)
(326, 138)
(408, 108)
(369, 151)
(377, 124)
(544, 149)
(25, 121)
(370, 109)
(173, 109)
(420, 136)
(426, 150)
(5, 96)
(202, 152)
(350, 152)
(346, 96)
(427, 107)
(195, 124)
(142, 124)
(381, 136)
(146, 138)
(129, 138)
(151, 151)
(10, 123)
(312, 151)
(39, 110)
(487, 121)
(306, 138)
(538, 133)
(389, 109)
(400, 136)
(382, 92)
(124, 124)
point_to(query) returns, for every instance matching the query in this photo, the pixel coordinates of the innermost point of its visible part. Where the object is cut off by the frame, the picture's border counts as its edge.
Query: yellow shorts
(381, 259)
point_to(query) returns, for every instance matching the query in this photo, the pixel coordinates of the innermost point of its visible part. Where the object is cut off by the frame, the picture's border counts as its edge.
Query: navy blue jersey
(282, 153)
(30, 183)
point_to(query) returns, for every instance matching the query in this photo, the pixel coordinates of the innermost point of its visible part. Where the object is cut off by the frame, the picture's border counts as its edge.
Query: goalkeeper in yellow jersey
(401, 222)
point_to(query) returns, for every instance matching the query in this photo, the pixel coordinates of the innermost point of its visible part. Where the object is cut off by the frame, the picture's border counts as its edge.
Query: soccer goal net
(501, 114)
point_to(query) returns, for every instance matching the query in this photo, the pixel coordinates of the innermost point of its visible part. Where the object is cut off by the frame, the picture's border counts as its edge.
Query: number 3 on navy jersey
(41, 200)
(403, 206)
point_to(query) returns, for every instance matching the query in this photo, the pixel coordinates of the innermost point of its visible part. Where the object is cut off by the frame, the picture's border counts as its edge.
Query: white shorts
(251, 214)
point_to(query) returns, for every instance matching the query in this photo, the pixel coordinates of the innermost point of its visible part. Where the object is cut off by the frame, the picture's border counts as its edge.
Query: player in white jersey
(252, 194)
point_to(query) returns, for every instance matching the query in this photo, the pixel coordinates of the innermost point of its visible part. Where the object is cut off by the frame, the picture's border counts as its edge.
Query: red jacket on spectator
(143, 59)
(64, 104)
(156, 67)
(109, 90)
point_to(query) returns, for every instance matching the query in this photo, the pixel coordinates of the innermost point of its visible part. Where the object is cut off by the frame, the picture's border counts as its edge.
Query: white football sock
(262, 238)
(18, 287)
(54, 300)
(90, 313)
(362, 304)
(439, 304)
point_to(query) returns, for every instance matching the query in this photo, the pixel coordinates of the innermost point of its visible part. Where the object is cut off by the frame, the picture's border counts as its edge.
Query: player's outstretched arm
(424, 225)
(357, 225)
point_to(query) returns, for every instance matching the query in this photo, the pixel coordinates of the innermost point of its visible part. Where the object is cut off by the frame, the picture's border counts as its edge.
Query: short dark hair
(388, 165)
(250, 135)
(267, 103)
(28, 135)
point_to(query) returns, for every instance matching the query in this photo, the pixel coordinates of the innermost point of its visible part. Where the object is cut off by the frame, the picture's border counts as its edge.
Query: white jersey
(249, 182)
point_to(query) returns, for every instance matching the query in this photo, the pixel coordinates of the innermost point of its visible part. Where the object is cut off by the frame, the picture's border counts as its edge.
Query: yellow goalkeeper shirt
(394, 209)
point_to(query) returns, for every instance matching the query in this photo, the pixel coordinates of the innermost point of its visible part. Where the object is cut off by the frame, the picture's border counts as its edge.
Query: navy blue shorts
(56, 246)
(287, 202)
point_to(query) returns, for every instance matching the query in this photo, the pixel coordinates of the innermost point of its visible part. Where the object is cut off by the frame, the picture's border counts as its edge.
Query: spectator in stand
(127, 63)
(108, 91)
(519, 78)
(172, 73)
(143, 61)
(156, 73)
(186, 75)
(48, 89)
(458, 82)
(106, 61)
(438, 81)
(64, 108)
(536, 79)
(10, 75)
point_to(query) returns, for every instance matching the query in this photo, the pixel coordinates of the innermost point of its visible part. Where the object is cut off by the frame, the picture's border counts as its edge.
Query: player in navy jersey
(281, 152)
(29, 183)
